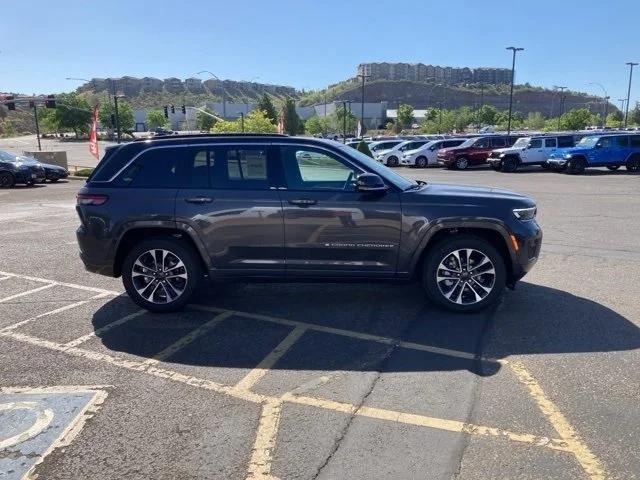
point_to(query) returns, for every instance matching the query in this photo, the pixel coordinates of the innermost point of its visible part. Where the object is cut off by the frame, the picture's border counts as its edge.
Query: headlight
(525, 214)
(567, 156)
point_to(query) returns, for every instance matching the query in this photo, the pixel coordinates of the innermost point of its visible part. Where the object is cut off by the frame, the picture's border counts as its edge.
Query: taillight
(91, 199)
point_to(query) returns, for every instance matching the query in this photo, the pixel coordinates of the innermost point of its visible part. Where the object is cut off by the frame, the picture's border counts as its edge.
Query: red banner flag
(93, 133)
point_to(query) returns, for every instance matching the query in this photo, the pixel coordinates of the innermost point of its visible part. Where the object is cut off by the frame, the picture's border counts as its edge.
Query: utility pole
(513, 71)
(35, 113)
(606, 111)
(561, 89)
(115, 103)
(626, 113)
(364, 77)
(622, 100)
(242, 120)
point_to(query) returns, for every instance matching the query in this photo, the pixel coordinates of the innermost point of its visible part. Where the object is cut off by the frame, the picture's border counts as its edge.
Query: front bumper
(528, 236)
(557, 162)
(446, 161)
(494, 161)
(29, 176)
(408, 161)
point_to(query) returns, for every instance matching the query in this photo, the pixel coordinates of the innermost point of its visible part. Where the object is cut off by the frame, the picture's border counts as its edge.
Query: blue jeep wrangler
(611, 151)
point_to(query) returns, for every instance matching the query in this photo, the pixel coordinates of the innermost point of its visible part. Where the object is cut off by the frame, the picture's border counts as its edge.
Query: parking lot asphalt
(327, 380)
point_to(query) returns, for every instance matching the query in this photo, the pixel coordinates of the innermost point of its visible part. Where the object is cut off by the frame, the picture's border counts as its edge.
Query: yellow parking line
(270, 360)
(349, 333)
(265, 442)
(53, 312)
(585, 457)
(104, 329)
(187, 339)
(28, 292)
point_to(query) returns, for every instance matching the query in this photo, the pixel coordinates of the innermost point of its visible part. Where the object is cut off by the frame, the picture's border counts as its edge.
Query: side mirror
(370, 183)
(598, 145)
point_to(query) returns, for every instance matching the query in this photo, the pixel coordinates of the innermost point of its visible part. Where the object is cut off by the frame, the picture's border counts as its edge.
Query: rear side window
(635, 141)
(549, 143)
(498, 142)
(565, 142)
(171, 167)
(245, 168)
(622, 142)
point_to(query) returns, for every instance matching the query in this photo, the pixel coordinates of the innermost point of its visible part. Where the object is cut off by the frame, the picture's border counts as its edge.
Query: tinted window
(550, 143)
(172, 167)
(451, 143)
(307, 168)
(240, 168)
(622, 142)
(535, 143)
(605, 142)
(635, 141)
(413, 145)
(498, 142)
(482, 143)
(564, 142)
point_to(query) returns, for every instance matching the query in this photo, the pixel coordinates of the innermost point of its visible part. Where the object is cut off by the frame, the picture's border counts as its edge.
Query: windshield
(379, 169)
(7, 157)
(588, 141)
(521, 142)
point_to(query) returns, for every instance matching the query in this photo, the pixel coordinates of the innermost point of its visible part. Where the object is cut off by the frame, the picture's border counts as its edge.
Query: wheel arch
(493, 232)
(137, 233)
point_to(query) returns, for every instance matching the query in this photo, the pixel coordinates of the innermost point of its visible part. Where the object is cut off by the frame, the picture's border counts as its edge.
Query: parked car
(427, 153)
(474, 151)
(162, 212)
(383, 145)
(14, 170)
(391, 158)
(611, 151)
(53, 173)
(528, 151)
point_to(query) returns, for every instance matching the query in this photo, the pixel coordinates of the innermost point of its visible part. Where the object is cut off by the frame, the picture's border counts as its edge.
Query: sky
(310, 44)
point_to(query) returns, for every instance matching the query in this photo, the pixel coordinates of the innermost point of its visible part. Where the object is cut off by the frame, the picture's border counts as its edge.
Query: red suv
(474, 151)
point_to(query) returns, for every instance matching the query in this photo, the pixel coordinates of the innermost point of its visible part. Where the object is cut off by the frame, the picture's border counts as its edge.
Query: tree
(266, 105)
(405, 115)
(487, 115)
(156, 119)
(125, 114)
(364, 148)
(343, 117)
(575, 119)
(316, 125)
(205, 122)
(254, 122)
(71, 113)
(534, 121)
(634, 115)
(291, 120)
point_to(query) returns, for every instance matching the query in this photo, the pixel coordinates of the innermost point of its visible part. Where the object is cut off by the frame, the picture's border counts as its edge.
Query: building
(173, 85)
(194, 84)
(419, 72)
(151, 84)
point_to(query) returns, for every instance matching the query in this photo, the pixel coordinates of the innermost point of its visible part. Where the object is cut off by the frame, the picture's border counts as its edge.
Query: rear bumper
(95, 253)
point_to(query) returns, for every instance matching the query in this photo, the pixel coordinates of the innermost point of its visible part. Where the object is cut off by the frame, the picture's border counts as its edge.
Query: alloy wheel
(465, 276)
(159, 276)
(462, 163)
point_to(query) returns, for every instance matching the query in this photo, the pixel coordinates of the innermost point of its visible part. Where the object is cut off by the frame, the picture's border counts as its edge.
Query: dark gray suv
(165, 212)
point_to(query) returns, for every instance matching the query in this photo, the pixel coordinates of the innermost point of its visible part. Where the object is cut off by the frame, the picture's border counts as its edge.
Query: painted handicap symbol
(43, 419)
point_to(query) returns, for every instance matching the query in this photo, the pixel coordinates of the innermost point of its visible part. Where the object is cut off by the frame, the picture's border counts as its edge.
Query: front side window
(307, 168)
(482, 143)
(535, 143)
(605, 142)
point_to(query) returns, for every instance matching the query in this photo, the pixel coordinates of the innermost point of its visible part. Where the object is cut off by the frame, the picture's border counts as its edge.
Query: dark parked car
(53, 173)
(162, 212)
(14, 169)
(474, 151)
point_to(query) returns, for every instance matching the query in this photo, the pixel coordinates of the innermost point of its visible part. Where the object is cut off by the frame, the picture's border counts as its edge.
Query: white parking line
(104, 329)
(62, 284)
(28, 292)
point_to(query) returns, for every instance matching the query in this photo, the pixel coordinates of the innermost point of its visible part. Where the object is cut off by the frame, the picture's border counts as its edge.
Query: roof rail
(207, 135)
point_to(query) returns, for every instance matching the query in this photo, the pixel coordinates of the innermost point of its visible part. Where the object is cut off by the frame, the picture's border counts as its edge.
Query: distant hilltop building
(419, 72)
(132, 86)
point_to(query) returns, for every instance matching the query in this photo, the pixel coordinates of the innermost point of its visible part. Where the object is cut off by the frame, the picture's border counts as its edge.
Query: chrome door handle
(198, 200)
(303, 202)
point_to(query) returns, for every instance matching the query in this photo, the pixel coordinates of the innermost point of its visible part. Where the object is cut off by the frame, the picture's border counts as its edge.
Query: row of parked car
(572, 153)
(20, 169)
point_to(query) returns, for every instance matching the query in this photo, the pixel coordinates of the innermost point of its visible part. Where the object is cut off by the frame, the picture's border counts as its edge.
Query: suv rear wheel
(161, 274)
(633, 164)
(462, 163)
(464, 274)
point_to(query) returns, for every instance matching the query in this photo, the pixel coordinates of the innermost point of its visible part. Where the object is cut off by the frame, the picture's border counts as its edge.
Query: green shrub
(364, 148)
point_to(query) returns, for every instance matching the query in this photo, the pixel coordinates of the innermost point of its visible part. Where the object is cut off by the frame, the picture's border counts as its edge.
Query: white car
(391, 157)
(427, 154)
(528, 151)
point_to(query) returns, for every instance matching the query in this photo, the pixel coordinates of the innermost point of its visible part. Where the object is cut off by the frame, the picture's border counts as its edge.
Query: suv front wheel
(464, 274)
(161, 274)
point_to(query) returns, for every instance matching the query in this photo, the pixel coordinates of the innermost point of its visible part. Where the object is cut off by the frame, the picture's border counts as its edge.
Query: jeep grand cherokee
(164, 212)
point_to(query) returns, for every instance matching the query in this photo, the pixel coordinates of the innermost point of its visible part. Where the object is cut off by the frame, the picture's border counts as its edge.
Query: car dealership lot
(332, 381)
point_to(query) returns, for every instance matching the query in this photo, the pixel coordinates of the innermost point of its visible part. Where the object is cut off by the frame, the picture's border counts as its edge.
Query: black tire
(545, 165)
(496, 166)
(613, 168)
(441, 251)
(177, 249)
(392, 161)
(421, 162)
(576, 166)
(461, 163)
(633, 164)
(53, 180)
(509, 165)
(7, 180)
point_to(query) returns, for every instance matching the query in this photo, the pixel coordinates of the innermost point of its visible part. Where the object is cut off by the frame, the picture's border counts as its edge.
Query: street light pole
(513, 71)
(605, 100)
(622, 100)
(561, 89)
(224, 92)
(242, 120)
(364, 77)
(626, 114)
(35, 113)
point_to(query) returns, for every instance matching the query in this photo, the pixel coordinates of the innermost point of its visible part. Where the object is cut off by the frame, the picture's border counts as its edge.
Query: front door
(234, 209)
(535, 151)
(330, 228)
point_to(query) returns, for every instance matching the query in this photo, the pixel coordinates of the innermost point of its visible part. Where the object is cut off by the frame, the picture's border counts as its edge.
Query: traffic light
(10, 105)
(184, 109)
(173, 109)
(50, 102)
(166, 111)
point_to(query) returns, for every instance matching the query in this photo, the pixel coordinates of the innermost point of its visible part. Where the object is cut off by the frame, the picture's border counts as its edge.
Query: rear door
(233, 206)
(330, 228)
